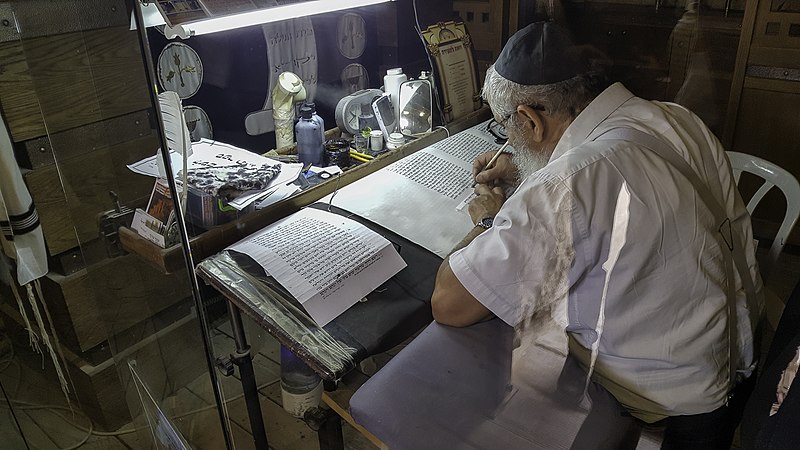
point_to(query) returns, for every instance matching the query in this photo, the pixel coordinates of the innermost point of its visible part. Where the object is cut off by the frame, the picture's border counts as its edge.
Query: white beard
(528, 161)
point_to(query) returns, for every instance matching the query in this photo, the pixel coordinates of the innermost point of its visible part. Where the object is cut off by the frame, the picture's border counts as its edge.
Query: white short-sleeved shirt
(611, 223)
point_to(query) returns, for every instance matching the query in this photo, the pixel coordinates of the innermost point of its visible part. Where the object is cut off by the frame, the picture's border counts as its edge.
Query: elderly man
(627, 227)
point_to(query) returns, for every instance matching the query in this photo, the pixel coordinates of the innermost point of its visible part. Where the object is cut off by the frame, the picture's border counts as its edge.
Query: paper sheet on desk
(421, 196)
(326, 261)
(208, 153)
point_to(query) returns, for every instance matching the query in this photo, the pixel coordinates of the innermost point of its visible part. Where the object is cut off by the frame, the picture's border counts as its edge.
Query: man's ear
(532, 122)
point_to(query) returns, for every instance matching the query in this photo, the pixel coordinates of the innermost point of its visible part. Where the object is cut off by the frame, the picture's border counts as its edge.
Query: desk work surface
(392, 313)
(423, 196)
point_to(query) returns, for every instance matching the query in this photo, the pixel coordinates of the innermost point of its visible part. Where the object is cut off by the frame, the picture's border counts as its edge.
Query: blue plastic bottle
(316, 118)
(309, 138)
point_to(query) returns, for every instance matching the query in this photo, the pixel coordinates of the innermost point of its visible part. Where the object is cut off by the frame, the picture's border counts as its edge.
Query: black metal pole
(144, 47)
(330, 432)
(243, 360)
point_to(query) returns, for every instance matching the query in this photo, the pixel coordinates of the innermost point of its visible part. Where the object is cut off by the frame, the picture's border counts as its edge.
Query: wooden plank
(81, 78)
(775, 57)
(53, 83)
(118, 70)
(167, 260)
(109, 298)
(339, 401)
(18, 94)
(71, 194)
(89, 138)
(217, 238)
(742, 56)
(789, 88)
(513, 17)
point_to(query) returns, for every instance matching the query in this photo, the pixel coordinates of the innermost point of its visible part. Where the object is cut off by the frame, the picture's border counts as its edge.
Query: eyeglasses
(498, 128)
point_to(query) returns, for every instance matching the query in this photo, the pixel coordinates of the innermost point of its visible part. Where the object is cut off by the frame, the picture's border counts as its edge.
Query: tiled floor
(48, 428)
(53, 427)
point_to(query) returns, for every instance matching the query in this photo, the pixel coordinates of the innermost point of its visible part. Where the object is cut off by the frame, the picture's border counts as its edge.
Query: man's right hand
(502, 172)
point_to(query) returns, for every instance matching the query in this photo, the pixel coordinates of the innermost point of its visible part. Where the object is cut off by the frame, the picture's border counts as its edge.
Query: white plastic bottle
(391, 85)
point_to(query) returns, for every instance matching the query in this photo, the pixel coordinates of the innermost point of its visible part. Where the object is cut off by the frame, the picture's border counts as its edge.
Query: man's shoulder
(582, 158)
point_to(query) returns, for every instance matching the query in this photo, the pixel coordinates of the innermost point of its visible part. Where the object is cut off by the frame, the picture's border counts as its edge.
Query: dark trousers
(610, 426)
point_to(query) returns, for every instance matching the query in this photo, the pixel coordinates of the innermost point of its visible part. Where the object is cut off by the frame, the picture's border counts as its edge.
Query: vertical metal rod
(144, 47)
(243, 360)
(330, 432)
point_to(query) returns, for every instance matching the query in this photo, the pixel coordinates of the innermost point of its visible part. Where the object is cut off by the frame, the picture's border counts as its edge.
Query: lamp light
(265, 15)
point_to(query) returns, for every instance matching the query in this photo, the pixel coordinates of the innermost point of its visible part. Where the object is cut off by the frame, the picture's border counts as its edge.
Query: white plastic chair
(772, 176)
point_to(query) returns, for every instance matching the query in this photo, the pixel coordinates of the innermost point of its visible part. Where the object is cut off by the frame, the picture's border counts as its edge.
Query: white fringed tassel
(33, 339)
(46, 341)
(55, 335)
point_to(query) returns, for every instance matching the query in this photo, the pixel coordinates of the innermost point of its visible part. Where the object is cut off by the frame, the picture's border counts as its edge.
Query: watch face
(486, 222)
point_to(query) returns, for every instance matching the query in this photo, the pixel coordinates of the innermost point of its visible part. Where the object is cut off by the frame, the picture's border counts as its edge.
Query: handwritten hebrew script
(326, 261)
(434, 173)
(423, 196)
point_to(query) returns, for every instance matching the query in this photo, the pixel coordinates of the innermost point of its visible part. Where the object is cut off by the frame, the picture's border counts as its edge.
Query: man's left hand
(487, 203)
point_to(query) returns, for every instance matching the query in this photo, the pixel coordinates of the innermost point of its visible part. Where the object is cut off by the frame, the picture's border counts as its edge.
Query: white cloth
(20, 231)
(610, 225)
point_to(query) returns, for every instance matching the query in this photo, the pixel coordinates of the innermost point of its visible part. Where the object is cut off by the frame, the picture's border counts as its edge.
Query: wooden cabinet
(75, 97)
(764, 105)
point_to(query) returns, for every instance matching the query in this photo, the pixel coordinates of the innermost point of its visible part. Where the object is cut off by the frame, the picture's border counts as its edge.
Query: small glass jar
(376, 141)
(361, 142)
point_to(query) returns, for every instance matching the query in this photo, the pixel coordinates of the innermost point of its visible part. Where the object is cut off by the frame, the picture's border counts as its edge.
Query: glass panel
(126, 335)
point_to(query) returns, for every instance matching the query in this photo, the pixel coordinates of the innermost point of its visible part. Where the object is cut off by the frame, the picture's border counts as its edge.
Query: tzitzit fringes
(33, 338)
(46, 340)
(38, 287)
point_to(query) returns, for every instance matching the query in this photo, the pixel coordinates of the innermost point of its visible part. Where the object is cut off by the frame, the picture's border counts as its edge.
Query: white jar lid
(396, 71)
(376, 133)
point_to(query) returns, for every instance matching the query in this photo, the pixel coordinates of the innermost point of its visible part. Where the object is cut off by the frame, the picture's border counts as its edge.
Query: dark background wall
(236, 70)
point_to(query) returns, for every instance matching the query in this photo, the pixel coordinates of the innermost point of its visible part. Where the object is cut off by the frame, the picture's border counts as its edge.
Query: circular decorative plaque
(198, 123)
(180, 69)
(354, 78)
(352, 35)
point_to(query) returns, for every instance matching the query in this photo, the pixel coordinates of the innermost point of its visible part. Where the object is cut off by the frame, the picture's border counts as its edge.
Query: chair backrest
(773, 176)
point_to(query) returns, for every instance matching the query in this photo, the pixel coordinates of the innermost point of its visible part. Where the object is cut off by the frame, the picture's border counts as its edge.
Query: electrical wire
(21, 405)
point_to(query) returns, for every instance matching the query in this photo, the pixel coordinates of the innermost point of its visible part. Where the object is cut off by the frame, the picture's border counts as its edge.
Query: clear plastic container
(301, 387)
(376, 141)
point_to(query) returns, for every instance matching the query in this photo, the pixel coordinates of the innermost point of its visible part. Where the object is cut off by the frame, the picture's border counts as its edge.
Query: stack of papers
(209, 154)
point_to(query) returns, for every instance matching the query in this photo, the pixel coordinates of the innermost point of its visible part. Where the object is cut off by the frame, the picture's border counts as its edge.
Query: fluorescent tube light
(272, 14)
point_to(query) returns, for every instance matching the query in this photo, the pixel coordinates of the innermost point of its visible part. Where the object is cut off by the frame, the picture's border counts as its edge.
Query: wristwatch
(485, 223)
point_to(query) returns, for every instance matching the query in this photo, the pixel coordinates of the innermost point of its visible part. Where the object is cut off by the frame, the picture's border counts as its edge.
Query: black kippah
(541, 53)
